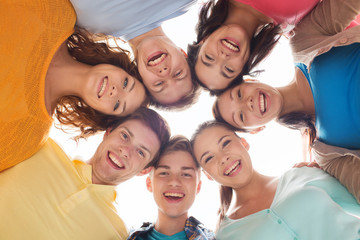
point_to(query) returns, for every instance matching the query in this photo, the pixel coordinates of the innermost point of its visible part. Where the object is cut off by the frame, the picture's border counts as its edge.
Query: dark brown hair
(225, 192)
(179, 143)
(72, 110)
(212, 15)
(155, 122)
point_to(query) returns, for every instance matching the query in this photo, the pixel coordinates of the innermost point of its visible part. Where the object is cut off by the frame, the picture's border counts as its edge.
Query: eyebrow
(224, 75)
(124, 106)
(182, 168)
(141, 146)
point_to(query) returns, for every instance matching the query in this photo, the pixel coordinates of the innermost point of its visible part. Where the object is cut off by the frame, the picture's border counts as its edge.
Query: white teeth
(233, 168)
(115, 160)
(262, 103)
(103, 86)
(158, 60)
(179, 195)
(230, 44)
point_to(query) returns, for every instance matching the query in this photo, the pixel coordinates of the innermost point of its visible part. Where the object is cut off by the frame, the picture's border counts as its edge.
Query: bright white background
(273, 151)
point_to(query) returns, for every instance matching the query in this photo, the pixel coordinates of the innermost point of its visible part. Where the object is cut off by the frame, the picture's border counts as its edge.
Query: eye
(225, 143)
(229, 69)
(141, 153)
(178, 73)
(163, 173)
(159, 83)
(242, 117)
(209, 58)
(239, 94)
(208, 159)
(125, 82)
(124, 136)
(116, 105)
(187, 175)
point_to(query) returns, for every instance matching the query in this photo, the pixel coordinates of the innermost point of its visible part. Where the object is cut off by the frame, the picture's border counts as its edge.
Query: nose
(224, 54)
(113, 91)
(163, 70)
(224, 159)
(174, 181)
(125, 152)
(250, 103)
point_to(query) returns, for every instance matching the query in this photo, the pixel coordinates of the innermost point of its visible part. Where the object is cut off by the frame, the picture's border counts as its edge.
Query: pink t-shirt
(287, 13)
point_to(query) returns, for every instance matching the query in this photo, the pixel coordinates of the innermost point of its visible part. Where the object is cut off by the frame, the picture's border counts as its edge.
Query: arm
(343, 164)
(328, 18)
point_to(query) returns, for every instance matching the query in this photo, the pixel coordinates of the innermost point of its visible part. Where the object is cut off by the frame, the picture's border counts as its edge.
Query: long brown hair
(212, 15)
(226, 193)
(72, 110)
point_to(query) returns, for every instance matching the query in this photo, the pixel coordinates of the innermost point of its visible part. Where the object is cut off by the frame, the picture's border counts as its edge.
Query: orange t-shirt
(30, 34)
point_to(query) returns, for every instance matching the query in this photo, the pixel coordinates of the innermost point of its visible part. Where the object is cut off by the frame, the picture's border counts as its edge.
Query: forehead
(140, 133)
(208, 137)
(177, 160)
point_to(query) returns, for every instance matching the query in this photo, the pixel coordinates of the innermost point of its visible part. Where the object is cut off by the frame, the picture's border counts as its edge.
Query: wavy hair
(72, 110)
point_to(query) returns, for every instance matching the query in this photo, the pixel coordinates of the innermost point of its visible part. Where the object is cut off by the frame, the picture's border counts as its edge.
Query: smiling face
(250, 104)
(164, 69)
(124, 152)
(175, 183)
(223, 156)
(113, 91)
(222, 56)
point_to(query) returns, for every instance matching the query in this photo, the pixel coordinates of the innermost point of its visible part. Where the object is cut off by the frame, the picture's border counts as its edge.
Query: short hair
(178, 143)
(155, 122)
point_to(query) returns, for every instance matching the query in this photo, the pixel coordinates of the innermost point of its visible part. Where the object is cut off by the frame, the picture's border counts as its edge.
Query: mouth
(262, 103)
(233, 169)
(156, 59)
(115, 161)
(230, 44)
(174, 196)
(102, 87)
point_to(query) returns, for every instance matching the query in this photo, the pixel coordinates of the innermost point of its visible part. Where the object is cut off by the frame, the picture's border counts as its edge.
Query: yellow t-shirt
(50, 197)
(30, 34)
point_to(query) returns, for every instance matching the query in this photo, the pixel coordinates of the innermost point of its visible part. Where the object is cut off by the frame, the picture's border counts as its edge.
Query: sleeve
(343, 164)
(328, 18)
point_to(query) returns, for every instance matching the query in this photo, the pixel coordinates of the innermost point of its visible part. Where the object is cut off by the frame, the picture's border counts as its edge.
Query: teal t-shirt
(308, 204)
(334, 78)
(155, 235)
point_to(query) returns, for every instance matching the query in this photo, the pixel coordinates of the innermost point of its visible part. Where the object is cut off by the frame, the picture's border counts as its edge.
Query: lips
(102, 86)
(263, 103)
(156, 58)
(233, 169)
(232, 45)
(174, 196)
(115, 161)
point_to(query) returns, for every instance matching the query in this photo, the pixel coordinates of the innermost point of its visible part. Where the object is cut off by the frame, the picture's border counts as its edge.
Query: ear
(185, 54)
(198, 187)
(207, 175)
(245, 143)
(107, 132)
(148, 184)
(256, 130)
(144, 171)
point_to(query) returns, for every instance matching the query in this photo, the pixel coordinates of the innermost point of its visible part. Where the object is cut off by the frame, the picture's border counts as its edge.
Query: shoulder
(195, 230)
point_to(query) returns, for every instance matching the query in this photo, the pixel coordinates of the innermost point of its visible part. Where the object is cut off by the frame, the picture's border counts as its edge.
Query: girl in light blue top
(303, 203)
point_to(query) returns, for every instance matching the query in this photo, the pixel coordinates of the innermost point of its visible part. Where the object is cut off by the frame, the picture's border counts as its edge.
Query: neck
(257, 195)
(170, 225)
(135, 42)
(246, 17)
(297, 95)
(65, 76)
